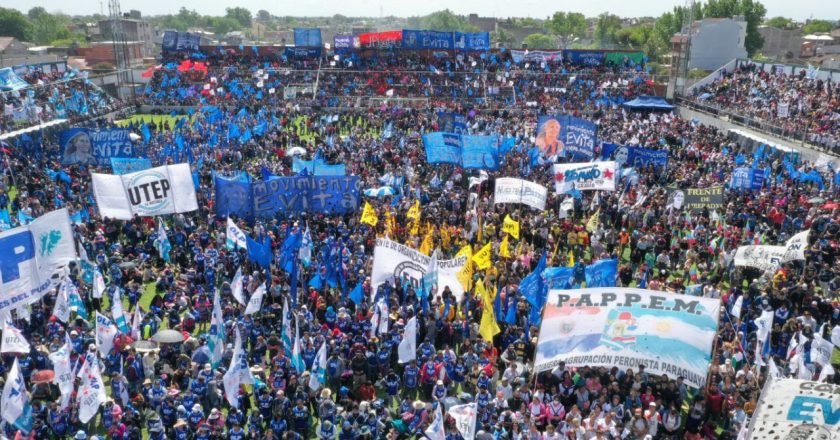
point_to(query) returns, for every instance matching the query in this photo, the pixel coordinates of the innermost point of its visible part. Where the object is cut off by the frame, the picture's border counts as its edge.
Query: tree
(539, 41)
(636, 37)
(780, 22)
(223, 25)
(752, 11)
(263, 15)
(817, 26)
(567, 26)
(502, 37)
(446, 20)
(15, 24)
(240, 14)
(47, 27)
(606, 27)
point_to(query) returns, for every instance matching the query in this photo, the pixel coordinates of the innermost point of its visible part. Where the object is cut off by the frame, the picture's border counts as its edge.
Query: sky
(799, 9)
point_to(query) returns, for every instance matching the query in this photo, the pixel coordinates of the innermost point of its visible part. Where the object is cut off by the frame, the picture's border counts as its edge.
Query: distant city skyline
(798, 10)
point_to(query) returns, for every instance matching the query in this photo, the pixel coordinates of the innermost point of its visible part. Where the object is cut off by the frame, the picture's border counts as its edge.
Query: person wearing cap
(326, 430)
(326, 406)
(80, 435)
(196, 415)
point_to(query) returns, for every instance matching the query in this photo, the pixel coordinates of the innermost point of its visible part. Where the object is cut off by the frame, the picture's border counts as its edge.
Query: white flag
(216, 336)
(435, 430)
(235, 237)
(827, 370)
(464, 416)
(736, 308)
(135, 324)
(236, 287)
(319, 368)
(106, 331)
(63, 371)
(13, 340)
(98, 283)
(407, 349)
(286, 329)
(795, 246)
(297, 348)
(772, 370)
(61, 309)
(91, 392)
(117, 312)
(383, 317)
(233, 375)
(764, 324)
(255, 302)
(15, 406)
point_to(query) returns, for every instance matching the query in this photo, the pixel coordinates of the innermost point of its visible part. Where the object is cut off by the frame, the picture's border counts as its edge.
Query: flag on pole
(465, 416)
(136, 334)
(106, 331)
(255, 303)
(369, 215)
(511, 227)
(233, 375)
(435, 430)
(236, 287)
(414, 212)
(286, 329)
(13, 339)
(216, 335)
(92, 391)
(15, 407)
(61, 308)
(488, 327)
(162, 243)
(305, 251)
(319, 369)
(504, 248)
(117, 312)
(235, 238)
(297, 359)
(98, 283)
(63, 371)
(482, 257)
(407, 349)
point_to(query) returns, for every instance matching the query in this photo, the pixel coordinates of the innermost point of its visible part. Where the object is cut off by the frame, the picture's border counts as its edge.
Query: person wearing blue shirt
(278, 425)
(411, 376)
(326, 430)
(300, 418)
(236, 433)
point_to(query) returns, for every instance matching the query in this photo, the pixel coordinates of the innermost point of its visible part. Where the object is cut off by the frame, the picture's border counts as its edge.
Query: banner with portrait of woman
(562, 136)
(88, 146)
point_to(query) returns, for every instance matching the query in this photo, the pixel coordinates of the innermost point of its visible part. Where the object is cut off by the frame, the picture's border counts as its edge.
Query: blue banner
(585, 57)
(342, 43)
(317, 167)
(233, 196)
(302, 52)
(536, 56)
(121, 165)
(559, 277)
(634, 156)
(471, 41)
(92, 146)
(10, 81)
(566, 136)
(170, 38)
(452, 122)
(602, 273)
(426, 39)
(468, 151)
(308, 37)
(746, 179)
(306, 194)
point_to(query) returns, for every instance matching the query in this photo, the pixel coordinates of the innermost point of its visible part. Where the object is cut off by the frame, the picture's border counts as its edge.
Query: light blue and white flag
(16, 409)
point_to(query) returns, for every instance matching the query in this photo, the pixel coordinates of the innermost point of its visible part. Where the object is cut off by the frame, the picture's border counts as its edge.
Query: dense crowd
(176, 389)
(796, 104)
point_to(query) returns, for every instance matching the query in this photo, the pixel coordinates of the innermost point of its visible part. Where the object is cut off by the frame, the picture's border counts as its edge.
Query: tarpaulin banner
(669, 334)
(307, 37)
(93, 146)
(397, 263)
(157, 191)
(630, 156)
(233, 196)
(342, 43)
(302, 52)
(766, 257)
(512, 190)
(10, 81)
(473, 41)
(696, 198)
(452, 123)
(566, 135)
(468, 151)
(317, 167)
(384, 40)
(32, 258)
(793, 408)
(180, 41)
(536, 56)
(121, 165)
(170, 38)
(746, 179)
(311, 194)
(584, 176)
(414, 39)
(623, 57)
(585, 57)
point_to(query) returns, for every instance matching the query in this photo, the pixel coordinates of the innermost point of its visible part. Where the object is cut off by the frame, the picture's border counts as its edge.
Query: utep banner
(584, 176)
(746, 179)
(94, 147)
(412, 39)
(792, 408)
(392, 262)
(634, 156)
(308, 37)
(566, 135)
(512, 190)
(667, 333)
(32, 257)
(468, 151)
(317, 167)
(157, 191)
(121, 165)
(696, 198)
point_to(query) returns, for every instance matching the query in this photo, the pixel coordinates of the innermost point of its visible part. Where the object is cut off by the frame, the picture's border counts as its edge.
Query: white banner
(255, 302)
(106, 331)
(32, 257)
(792, 408)
(394, 261)
(511, 190)
(783, 109)
(464, 416)
(163, 190)
(760, 257)
(92, 390)
(584, 176)
(63, 371)
(613, 326)
(795, 246)
(407, 349)
(13, 340)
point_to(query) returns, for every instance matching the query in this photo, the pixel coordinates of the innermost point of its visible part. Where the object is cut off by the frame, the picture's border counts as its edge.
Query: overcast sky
(799, 9)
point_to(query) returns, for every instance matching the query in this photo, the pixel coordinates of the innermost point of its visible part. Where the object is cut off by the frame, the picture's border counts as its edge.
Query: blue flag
(357, 295)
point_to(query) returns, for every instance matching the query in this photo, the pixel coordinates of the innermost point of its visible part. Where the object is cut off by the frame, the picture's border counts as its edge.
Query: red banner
(379, 38)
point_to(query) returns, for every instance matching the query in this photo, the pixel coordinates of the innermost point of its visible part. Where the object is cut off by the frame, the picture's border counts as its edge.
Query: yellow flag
(488, 327)
(592, 224)
(426, 245)
(504, 248)
(414, 212)
(389, 225)
(444, 237)
(480, 233)
(466, 273)
(511, 227)
(571, 258)
(482, 257)
(369, 215)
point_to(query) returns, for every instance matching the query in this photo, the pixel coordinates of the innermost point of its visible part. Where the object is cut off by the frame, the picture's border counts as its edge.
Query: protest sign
(792, 408)
(32, 256)
(163, 190)
(512, 190)
(746, 179)
(566, 136)
(468, 151)
(584, 176)
(696, 198)
(120, 165)
(394, 262)
(94, 147)
(629, 156)
(624, 327)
